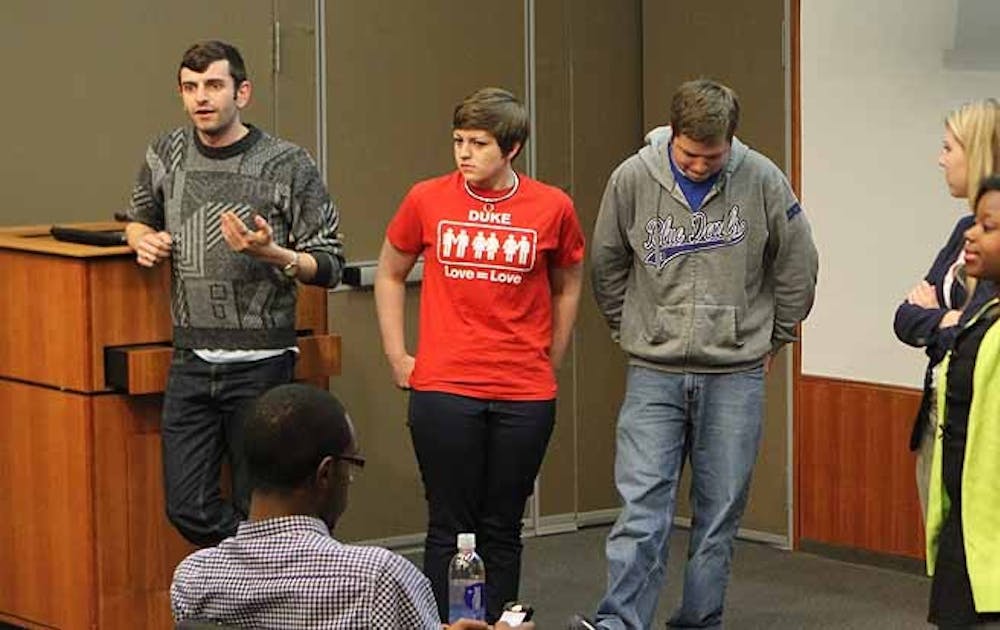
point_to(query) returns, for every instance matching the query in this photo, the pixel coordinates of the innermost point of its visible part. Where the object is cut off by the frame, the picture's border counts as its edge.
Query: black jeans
(203, 410)
(479, 459)
(952, 606)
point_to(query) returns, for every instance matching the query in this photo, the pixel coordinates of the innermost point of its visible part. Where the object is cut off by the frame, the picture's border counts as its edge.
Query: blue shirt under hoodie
(693, 191)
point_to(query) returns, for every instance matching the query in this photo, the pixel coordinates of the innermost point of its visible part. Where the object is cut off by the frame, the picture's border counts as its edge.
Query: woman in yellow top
(963, 517)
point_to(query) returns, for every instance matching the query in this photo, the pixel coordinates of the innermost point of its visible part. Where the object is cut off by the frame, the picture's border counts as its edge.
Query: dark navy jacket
(918, 326)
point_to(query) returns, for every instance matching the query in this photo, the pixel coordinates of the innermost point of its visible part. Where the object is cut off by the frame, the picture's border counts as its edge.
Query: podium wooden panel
(85, 542)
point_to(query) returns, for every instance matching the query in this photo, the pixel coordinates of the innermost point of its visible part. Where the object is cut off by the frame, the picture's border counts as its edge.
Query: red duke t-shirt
(485, 303)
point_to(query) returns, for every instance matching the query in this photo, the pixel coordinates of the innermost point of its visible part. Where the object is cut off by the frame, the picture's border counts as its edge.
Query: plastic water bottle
(466, 582)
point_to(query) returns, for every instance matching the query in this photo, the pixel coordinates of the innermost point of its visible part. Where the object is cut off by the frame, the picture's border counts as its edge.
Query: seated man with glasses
(283, 569)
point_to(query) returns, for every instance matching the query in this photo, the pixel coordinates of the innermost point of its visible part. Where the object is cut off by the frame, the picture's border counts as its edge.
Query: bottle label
(468, 601)
(474, 596)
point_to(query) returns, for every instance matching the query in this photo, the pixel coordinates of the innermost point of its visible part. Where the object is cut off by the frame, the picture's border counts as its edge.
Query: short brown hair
(705, 111)
(497, 111)
(201, 55)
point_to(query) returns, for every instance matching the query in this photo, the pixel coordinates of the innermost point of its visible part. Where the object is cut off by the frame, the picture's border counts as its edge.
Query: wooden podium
(84, 538)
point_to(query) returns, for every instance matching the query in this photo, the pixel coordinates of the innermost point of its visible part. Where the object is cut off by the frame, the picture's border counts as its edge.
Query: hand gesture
(152, 248)
(242, 239)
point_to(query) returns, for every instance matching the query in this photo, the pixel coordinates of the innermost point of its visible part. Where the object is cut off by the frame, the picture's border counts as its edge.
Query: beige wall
(86, 108)
(577, 89)
(296, 81)
(596, 111)
(682, 42)
(395, 72)
(89, 84)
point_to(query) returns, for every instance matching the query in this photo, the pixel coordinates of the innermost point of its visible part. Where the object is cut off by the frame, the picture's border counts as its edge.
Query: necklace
(489, 204)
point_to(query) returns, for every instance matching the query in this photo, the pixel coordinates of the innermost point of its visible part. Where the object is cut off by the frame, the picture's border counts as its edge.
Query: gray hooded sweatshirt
(713, 289)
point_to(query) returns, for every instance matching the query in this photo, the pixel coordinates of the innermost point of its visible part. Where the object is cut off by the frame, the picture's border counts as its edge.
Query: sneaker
(579, 622)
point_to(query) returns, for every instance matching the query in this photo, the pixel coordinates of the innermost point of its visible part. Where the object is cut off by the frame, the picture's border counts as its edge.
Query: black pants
(479, 459)
(952, 606)
(203, 410)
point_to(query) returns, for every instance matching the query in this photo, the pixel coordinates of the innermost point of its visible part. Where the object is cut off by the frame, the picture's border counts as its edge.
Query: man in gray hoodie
(703, 264)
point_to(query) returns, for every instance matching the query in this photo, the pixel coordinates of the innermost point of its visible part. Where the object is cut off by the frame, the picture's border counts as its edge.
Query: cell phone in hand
(516, 613)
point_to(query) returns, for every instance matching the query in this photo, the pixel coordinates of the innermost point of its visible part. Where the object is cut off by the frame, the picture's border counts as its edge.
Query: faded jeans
(714, 420)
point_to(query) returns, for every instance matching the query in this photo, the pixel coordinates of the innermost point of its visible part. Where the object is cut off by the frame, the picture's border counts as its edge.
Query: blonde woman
(930, 315)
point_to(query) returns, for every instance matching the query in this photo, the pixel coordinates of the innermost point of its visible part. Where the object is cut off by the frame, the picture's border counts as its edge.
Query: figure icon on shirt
(524, 249)
(461, 242)
(492, 246)
(447, 240)
(478, 246)
(510, 248)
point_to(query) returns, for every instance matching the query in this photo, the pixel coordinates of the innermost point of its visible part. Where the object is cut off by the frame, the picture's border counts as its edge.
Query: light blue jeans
(715, 421)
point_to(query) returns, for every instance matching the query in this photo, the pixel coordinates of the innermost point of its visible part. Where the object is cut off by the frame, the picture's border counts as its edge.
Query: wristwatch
(291, 270)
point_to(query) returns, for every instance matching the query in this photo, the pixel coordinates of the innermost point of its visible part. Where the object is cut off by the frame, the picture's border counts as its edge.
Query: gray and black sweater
(221, 298)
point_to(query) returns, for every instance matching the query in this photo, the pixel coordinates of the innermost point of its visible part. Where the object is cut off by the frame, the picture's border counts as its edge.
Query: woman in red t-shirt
(501, 284)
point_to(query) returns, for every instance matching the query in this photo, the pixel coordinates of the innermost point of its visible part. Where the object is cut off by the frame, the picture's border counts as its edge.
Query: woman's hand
(950, 319)
(402, 368)
(923, 295)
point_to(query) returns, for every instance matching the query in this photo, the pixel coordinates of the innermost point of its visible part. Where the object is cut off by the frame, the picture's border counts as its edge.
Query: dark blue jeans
(478, 459)
(203, 409)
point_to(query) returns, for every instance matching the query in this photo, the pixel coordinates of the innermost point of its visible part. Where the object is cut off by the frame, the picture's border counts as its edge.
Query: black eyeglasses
(356, 460)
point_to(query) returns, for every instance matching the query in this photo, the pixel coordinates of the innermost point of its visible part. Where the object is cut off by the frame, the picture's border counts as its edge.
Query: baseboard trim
(548, 525)
(555, 524)
(596, 518)
(568, 523)
(400, 544)
(606, 517)
(854, 555)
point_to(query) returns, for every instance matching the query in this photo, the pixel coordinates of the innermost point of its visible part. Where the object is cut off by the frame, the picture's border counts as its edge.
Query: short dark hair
(288, 432)
(989, 184)
(497, 111)
(705, 111)
(201, 55)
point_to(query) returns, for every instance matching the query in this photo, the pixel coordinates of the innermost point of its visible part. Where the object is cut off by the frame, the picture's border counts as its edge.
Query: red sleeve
(405, 231)
(571, 239)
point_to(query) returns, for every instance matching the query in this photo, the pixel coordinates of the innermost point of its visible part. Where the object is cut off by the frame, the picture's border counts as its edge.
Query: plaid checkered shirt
(289, 573)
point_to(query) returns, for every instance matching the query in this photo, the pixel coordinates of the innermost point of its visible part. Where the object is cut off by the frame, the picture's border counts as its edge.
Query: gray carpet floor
(770, 588)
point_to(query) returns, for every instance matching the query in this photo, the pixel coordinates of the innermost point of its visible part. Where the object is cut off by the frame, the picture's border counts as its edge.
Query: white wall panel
(876, 85)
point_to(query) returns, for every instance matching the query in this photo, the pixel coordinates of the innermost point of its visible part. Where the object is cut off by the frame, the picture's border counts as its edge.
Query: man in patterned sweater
(241, 216)
(283, 569)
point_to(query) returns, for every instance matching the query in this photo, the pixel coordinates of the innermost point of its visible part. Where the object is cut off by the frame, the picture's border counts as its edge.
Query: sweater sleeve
(794, 260)
(315, 223)
(610, 253)
(918, 326)
(146, 203)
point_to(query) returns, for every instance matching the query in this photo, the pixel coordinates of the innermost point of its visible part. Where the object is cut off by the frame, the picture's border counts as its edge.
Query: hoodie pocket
(715, 326)
(668, 324)
(702, 329)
